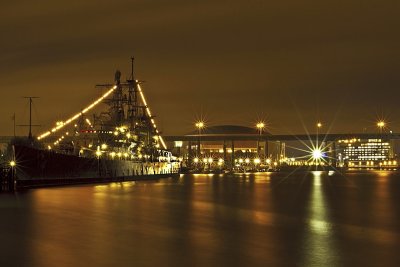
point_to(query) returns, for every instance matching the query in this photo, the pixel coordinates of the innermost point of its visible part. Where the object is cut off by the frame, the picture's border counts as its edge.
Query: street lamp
(319, 125)
(381, 124)
(98, 154)
(199, 125)
(220, 162)
(210, 160)
(257, 162)
(260, 126)
(13, 185)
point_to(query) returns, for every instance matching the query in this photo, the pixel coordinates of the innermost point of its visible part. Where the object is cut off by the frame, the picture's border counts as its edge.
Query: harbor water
(258, 219)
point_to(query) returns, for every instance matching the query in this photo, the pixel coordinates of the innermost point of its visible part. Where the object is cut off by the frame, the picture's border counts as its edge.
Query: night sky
(229, 61)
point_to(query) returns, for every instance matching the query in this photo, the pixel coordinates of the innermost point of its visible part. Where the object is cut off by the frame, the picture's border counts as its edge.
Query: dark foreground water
(306, 219)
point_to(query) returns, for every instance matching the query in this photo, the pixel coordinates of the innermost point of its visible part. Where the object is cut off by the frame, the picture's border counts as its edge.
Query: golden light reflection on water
(216, 220)
(319, 237)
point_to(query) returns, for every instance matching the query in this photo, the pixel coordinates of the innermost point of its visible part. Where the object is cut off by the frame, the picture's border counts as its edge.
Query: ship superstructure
(122, 142)
(126, 129)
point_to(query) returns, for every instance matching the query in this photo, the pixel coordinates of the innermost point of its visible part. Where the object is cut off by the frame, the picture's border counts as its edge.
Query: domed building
(222, 146)
(226, 130)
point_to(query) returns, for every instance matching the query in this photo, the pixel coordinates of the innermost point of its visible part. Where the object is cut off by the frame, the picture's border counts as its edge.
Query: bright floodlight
(317, 154)
(380, 124)
(199, 124)
(260, 125)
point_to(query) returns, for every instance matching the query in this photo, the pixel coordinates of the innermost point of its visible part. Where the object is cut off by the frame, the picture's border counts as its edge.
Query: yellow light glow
(76, 116)
(317, 154)
(13, 163)
(149, 113)
(104, 146)
(380, 124)
(98, 153)
(196, 160)
(247, 160)
(257, 161)
(200, 125)
(319, 124)
(260, 125)
(210, 160)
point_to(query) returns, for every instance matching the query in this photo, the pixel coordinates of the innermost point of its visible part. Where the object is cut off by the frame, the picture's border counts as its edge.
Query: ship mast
(126, 109)
(132, 99)
(30, 125)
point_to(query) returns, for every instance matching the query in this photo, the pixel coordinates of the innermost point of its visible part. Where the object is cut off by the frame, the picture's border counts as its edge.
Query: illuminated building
(366, 153)
(222, 146)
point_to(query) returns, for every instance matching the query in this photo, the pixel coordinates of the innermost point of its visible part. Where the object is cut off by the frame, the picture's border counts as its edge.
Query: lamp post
(98, 154)
(260, 126)
(199, 125)
(319, 125)
(381, 124)
(210, 161)
(205, 160)
(12, 182)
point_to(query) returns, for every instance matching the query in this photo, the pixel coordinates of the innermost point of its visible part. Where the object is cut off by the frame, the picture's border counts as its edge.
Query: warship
(120, 143)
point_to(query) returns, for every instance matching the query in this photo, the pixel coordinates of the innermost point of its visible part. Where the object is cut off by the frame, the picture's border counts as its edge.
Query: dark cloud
(233, 60)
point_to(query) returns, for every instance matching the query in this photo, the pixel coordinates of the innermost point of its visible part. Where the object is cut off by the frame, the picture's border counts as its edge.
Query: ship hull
(36, 167)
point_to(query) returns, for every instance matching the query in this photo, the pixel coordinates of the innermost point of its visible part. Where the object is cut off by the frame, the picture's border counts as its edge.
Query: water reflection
(304, 219)
(318, 242)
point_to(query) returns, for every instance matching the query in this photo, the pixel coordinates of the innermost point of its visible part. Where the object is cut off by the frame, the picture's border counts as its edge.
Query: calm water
(306, 219)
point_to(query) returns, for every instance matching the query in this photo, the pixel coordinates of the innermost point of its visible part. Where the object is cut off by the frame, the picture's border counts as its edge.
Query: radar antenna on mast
(117, 77)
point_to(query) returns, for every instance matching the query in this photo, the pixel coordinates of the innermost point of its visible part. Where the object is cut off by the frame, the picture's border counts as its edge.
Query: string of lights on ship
(162, 156)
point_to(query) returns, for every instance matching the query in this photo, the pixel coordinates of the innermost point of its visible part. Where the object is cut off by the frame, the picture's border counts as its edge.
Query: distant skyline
(290, 63)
